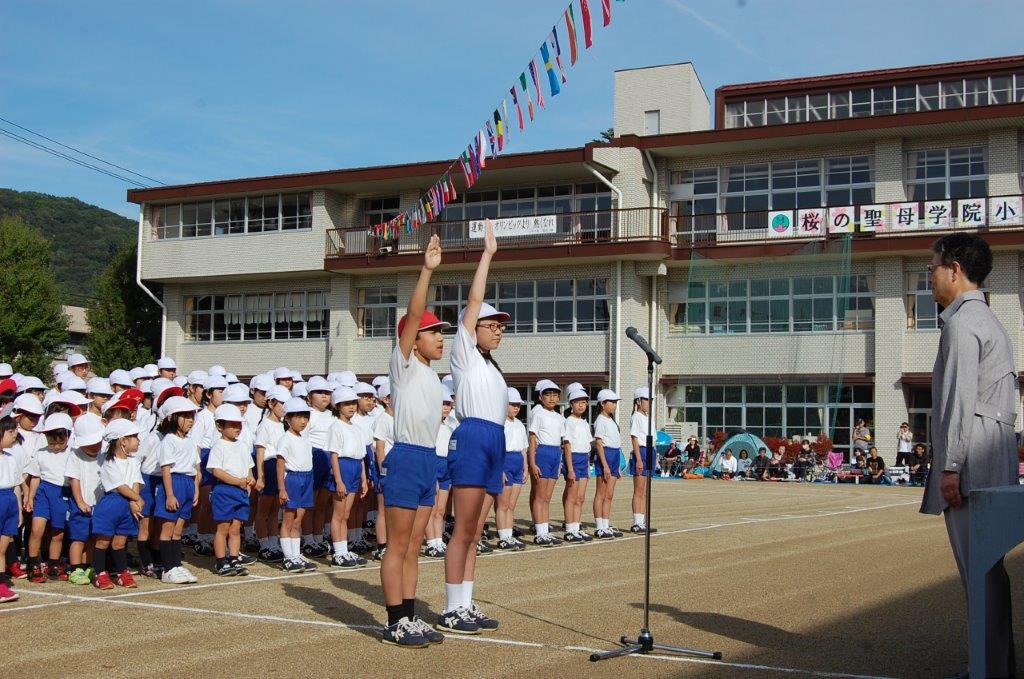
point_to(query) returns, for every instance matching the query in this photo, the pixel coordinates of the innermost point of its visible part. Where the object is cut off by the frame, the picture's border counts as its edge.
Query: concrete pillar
(1003, 163)
(890, 326)
(889, 170)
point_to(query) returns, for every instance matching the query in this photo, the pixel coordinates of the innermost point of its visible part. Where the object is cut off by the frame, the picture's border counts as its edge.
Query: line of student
(296, 470)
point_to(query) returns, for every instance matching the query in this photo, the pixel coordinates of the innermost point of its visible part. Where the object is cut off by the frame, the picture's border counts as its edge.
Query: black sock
(33, 561)
(177, 552)
(167, 554)
(51, 564)
(99, 560)
(6, 579)
(410, 607)
(145, 553)
(381, 545)
(395, 613)
(12, 554)
(120, 560)
(154, 551)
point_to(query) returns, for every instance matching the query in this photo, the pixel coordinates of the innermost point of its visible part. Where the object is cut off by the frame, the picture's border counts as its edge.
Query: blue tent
(738, 443)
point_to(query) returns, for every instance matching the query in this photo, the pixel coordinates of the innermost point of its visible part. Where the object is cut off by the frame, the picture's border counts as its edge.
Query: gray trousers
(999, 650)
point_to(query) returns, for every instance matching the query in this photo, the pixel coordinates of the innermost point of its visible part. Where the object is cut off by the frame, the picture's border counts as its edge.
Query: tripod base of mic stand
(644, 644)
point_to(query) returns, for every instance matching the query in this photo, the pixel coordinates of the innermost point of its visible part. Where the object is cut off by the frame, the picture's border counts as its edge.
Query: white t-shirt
(252, 416)
(364, 425)
(549, 426)
(234, 457)
(416, 398)
(267, 435)
(606, 429)
(728, 464)
(316, 430)
(180, 454)
(86, 468)
(515, 436)
(49, 466)
(117, 472)
(296, 451)
(345, 439)
(12, 466)
(145, 420)
(480, 389)
(577, 433)
(638, 427)
(444, 437)
(149, 453)
(384, 430)
(451, 420)
(31, 441)
(204, 431)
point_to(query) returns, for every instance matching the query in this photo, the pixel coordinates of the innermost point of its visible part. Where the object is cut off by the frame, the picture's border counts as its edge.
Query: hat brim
(500, 316)
(440, 325)
(89, 440)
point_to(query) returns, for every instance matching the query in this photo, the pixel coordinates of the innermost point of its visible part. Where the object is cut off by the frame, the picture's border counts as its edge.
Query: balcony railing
(571, 229)
(879, 220)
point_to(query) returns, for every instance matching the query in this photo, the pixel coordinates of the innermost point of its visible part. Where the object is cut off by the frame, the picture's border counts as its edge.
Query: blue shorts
(51, 503)
(476, 454)
(112, 516)
(269, 477)
(207, 477)
(444, 479)
(580, 466)
(647, 467)
(514, 468)
(150, 482)
(351, 475)
(613, 456)
(184, 487)
(549, 460)
(321, 468)
(299, 486)
(373, 472)
(229, 503)
(79, 524)
(410, 476)
(8, 512)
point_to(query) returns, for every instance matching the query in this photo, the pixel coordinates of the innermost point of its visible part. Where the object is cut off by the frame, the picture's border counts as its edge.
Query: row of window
(561, 305)
(257, 317)
(876, 101)
(231, 216)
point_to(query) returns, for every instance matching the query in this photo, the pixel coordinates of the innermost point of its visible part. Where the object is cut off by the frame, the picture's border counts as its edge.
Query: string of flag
(490, 140)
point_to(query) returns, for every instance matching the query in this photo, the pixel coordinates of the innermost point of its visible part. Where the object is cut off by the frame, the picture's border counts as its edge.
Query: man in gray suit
(974, 402)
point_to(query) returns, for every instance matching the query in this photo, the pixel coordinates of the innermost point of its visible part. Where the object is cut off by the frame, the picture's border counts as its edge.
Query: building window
(941, 174)
(849, 180)
(696, 211)
(745, 196)
(796, 184)
(263, 317)
(379, 210)
(922, 310)
(232, 216)
(376, 311)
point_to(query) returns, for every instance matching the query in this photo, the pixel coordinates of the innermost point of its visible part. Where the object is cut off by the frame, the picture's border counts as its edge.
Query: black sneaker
(245, 559)
(554, 540)
(404, 633)
(573, 537)
(482, 619)
(508, 546)
(615, 532)
(251, 545)
(636, 528)
(347, 560)
(293, 566)
(226, 568)
(360, 547)
(483, 548)
(239, 567)
(604, 534)
(308, 565)
(378, 553)
(433, 552)
(516, 533)
(458, 621)
(271, 556)
(431, 634)
(587, 537)
(520, 545)
(314, 550)
(544, 541)
(202, 548)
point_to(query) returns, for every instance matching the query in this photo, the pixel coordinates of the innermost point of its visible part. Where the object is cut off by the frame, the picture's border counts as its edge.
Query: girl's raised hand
(432, 256)
(490, 242)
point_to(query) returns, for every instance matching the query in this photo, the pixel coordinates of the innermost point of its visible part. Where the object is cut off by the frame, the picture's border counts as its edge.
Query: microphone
(633, 334)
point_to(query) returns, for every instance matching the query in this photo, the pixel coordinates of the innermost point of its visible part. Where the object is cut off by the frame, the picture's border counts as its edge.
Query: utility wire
(79, 151)
(47, 149)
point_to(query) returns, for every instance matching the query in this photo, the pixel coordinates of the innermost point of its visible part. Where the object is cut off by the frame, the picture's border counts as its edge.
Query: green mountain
(84, 237)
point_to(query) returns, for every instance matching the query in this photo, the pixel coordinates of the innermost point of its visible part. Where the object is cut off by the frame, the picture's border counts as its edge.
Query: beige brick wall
(674, 90)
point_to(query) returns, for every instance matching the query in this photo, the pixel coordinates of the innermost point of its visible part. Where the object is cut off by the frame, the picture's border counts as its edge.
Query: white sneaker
(175, 576)
(188, 574)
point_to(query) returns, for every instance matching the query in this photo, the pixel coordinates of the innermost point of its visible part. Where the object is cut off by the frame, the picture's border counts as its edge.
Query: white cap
(282, 373)
(641, 392)
(363, 389)
(514, 398)
(279, 393)
(384, 389)
(379, 380)
(197, 377)
(6, 370)
(228, 413)
(59, 369)
(147, 386)
(180, 381)
(73, 383)
(177, 404)
(607, 395)
(296, 405)
(88, 430)
(137, 374)
(119, 429)
(99, 385)
(166, 363)
(57, 421)
(232, 378)
(152, 372)
(546, 385)
(77, 359)
(261, 383)
(30, 382)
(347, 378)
(449, 393)
(214, 382)
(317, 383)
(343, 395)
(27, 403)
(217, 370)
(573, 387)
(300, 389)
(487, 311)
(577, 394)
(237, 393)
(297, 376)
(121, 378)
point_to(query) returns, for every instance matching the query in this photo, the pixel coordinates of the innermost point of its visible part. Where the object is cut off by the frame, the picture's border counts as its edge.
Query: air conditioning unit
(385, 250)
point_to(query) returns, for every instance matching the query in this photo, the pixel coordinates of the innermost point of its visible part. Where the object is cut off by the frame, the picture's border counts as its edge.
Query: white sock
(249, 532)
(355, 534)
(452, 596)
(436, 543)
(572, 528)
(341, 548)
(542, 529)
(467, 593)
(505, 534)
(638, 520)
(602, 524)
(264, 543)
(296, 548)
(286, 549)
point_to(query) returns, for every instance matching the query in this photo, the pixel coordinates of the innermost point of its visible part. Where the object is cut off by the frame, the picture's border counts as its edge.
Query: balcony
(643, 230)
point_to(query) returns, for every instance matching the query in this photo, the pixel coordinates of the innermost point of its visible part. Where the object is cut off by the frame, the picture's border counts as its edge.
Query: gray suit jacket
(974, 402)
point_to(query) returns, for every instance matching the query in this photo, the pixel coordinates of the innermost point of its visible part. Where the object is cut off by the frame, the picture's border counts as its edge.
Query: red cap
(428, 322)
(166, 394)
(8, 385)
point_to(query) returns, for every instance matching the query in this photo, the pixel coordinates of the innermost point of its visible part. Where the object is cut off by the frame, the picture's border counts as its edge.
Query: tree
(32, 323)
(605, 136)
(124, 323)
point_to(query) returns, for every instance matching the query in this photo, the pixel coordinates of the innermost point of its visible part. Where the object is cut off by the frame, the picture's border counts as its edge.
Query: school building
(772, 242)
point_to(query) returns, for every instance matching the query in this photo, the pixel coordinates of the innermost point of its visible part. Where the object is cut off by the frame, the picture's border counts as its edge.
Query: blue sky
(194, 91)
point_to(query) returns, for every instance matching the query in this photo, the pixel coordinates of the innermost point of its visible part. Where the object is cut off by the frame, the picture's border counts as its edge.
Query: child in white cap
(516, 443)
(48, 498)
(638, 462)
(116, 515)
(83, 472)
(607, 463)
(231, 465)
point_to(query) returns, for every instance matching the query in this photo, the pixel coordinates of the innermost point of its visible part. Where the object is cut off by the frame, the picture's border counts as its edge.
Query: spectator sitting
(669, 460)
(861, 436)
(919, 465)
(777, 465)
(742, 464)
(859, 462)
(726, 466)
(692, 449)
(759, 468)
(876, 469)
(804, 460)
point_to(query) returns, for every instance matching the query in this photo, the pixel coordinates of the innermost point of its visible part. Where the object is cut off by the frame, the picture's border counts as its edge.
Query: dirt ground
(784, 580)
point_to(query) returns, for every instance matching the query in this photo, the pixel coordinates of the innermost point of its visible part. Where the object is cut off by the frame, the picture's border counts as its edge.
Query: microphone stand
(644, 643)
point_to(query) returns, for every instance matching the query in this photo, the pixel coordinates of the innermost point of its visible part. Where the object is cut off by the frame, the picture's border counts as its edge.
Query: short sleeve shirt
(416, 397)
(346, 440)
(86, 468)
(577, 434)
(480, 389)
(233, 457)
(267, 435)
(117, 472)
(638, 427)
(180, 454)
(384, 430)
(297, 452)
(606, 429)
(548, 426)
(515, 436)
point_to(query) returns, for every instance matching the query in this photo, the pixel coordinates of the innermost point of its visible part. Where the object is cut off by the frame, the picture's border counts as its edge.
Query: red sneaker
(6, 593)
(37, 575)
(59, 572)
(125, 579)
(16, 571)
(102, 581)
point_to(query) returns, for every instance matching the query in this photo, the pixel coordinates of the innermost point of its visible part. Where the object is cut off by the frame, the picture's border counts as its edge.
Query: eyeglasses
(932, 267)
(493, 327)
